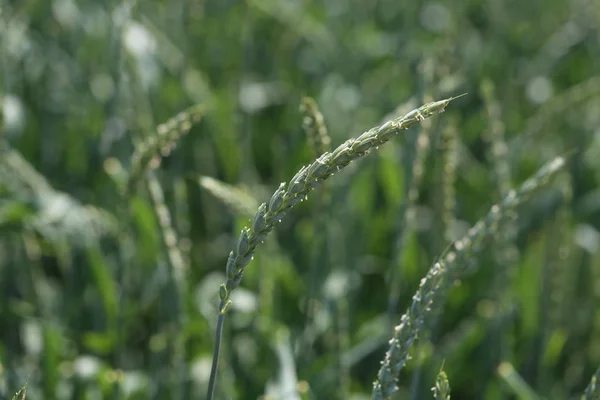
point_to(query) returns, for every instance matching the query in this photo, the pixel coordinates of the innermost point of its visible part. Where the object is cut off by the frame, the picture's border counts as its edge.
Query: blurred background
(112, 296)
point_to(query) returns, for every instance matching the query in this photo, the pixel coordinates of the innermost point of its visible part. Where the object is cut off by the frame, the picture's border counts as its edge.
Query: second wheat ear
(295, 191)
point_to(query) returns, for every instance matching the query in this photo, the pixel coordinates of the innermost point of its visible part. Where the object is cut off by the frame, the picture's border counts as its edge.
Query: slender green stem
(415, 154)
(177, 267)
(215, 362)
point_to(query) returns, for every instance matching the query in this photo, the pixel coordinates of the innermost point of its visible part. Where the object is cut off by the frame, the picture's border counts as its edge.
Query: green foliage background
(90, 307)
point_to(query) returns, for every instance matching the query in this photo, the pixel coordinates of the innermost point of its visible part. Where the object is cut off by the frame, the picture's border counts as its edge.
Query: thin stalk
(416, 169)
(215, 361)
(111, 110)
(415, 156)
(319, 142)
(505, 253)
(176, 264)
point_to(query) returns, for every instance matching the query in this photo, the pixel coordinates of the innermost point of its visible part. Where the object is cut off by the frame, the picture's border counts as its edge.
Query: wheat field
(271, 199)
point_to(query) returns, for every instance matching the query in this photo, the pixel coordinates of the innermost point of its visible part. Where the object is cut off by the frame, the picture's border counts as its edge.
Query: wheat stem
(496, 139)
(415, 155)
(449, 167)
(215, 362)
(505, 252)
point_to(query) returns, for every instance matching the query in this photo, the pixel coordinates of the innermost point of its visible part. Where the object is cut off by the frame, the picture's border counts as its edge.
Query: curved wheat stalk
(286, 196)
(441, 276)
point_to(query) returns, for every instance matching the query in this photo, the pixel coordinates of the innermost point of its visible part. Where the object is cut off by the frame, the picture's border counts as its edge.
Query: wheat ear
(441, 390)
(314, 126)
(148, 153)
(442, 274)
(21, 394)
(286, 196)
(592, 392)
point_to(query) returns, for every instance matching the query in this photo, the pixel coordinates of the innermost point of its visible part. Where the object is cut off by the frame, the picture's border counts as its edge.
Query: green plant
(592, 392)
(442, 275)
(441, 390)
(21, 394)
(113, 241)
(148, 153)
(314, 126)
(298, 188)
